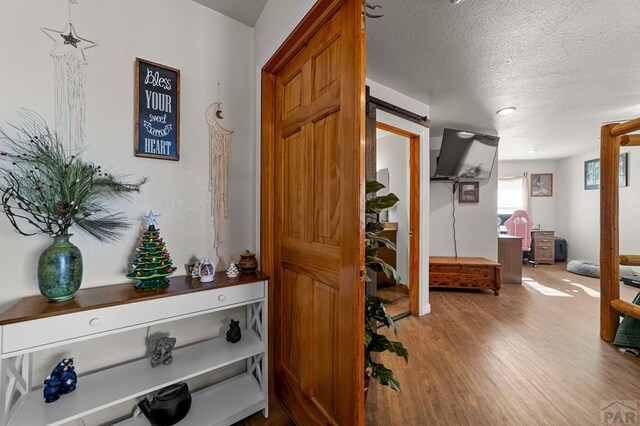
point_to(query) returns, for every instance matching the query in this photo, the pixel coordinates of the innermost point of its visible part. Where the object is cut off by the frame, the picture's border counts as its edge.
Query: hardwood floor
(277, 417)
(531, 356)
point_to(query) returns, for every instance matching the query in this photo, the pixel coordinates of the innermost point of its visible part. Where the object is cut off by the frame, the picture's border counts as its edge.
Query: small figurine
(195, 272)
(62, 380)
(160, 350)
(232, 271)
(167, 406)
(234, 334)
(206, 270)
(248, 263)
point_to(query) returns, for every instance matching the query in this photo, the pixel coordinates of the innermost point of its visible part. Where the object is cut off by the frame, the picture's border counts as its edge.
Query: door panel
(296, 293)
(325, 67)
(292, 95)
(324, 330)
(316, 128)
(326, 188)
(294, 195)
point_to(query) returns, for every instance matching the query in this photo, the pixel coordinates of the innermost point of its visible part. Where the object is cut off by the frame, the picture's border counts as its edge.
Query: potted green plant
(375, 311)
(46, 188)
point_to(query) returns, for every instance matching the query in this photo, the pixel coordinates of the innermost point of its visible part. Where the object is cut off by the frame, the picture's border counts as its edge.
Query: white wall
(393, 154)
(579, 209)
(542, 210)
(476, 230)
(206, 46)
(278, 19)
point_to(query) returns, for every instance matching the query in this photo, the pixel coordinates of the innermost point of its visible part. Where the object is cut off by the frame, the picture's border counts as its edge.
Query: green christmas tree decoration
(152, 263)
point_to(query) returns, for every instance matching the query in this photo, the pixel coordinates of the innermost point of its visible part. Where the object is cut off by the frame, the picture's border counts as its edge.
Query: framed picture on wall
(592, 172)
(624, 170)
(469, 192)
(542, 184)
(157, 111)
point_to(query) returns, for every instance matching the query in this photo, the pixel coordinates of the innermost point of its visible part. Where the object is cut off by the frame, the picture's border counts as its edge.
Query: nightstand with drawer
(543, 246)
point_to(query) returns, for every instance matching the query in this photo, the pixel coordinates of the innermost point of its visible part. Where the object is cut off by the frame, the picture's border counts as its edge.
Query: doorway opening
(398, 168)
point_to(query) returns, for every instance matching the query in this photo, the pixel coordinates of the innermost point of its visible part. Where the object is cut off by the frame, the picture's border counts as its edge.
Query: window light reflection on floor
(589, 291)
(544, 290)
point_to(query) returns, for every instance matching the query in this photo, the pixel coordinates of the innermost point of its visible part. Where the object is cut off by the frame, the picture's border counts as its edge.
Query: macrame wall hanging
(69, 63)
(219, 140)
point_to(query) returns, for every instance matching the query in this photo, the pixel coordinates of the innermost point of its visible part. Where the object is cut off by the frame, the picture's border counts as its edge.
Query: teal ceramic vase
(60, 270)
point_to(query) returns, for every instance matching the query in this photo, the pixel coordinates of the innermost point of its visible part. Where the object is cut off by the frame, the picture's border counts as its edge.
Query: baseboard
(426, 309)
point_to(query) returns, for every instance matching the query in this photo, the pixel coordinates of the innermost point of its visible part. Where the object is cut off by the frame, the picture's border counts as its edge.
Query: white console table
(32, 325)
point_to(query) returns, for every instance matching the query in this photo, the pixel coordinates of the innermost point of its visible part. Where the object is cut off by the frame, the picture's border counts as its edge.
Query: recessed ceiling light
(506, 111)
(532, 151)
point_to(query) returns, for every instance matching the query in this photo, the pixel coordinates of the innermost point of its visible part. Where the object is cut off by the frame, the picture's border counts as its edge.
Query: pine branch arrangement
(46, 188)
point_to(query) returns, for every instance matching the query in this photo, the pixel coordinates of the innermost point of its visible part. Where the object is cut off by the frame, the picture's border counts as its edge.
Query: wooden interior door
(313, 214)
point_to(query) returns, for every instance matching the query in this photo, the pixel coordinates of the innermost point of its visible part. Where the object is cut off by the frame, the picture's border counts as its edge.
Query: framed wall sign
(542, 184)
(469, 192)
(157, 111)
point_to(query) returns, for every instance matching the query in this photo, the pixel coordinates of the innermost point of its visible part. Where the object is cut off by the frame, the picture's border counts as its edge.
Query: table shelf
(109, 387)
(219, 405)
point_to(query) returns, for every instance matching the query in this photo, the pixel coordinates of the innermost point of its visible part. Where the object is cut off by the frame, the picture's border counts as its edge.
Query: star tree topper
(152, 218)
(68, 41)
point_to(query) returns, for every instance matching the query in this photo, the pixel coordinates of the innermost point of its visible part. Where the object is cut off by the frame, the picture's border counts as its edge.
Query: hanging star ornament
(68, 41)
(152, 218)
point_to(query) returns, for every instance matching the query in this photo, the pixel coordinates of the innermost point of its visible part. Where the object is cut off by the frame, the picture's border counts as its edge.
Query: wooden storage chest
(464, 273)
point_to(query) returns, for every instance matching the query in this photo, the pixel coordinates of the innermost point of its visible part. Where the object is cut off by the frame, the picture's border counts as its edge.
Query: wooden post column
(609, 238)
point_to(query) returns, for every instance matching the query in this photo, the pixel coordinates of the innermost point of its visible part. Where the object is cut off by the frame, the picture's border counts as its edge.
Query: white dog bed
(591, 269)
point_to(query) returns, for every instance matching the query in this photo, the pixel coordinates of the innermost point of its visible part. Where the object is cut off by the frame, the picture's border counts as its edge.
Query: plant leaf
(368, 335)
(398, 349)
(380, 265)
(381, 241)
(374, 310)
(106, 229)
(377, 204)
(370, 251)
(383, 375)
(373, 186)
(378, 343)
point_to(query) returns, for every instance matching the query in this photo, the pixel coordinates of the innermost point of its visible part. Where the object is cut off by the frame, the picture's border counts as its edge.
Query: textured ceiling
(568, 66)
(245, 11)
